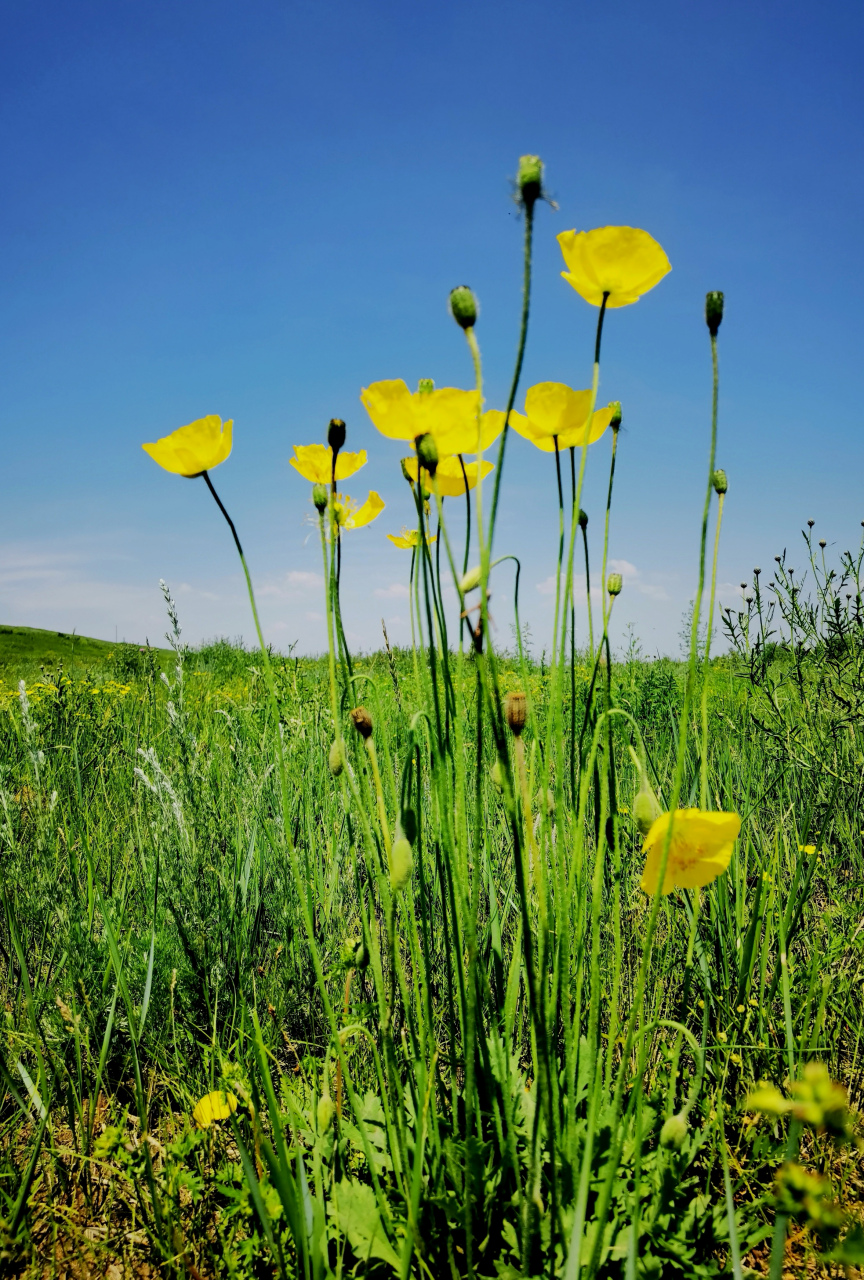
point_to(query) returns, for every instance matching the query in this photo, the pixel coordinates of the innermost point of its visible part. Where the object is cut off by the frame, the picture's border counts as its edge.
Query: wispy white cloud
(396, 591)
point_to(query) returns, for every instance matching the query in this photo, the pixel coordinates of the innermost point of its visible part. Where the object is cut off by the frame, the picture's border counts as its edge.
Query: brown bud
(516, 712)
(362, 721)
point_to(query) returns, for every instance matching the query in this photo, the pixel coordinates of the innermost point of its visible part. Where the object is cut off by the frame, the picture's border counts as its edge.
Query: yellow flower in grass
(699, 851)
(200, 446)
(621, 261)
(554, 409)
(315, 463)
(447, 414)
(408, 539)
(451, 481)
(218, 1105)
(350, 516)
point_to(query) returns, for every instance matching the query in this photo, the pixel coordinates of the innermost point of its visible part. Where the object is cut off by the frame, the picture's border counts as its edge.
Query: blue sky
(256, 209)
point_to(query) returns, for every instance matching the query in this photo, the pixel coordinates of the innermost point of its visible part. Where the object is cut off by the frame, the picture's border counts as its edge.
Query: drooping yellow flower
(448, 414)
(200, 446)
(315, 463)
(554, 409)
(699, 851)
(350, 516)
(621, 261)
(451, 482)
(408, 539)
(218, 1105)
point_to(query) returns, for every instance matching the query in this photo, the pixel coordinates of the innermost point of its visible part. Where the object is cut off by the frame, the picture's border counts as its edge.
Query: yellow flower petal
(451, 481)
(409, 539)
(391, 408)
(351, 517)
(448, 413)
(218, 1105)
(199, 446)
(550, 406)
(315, 463)
(624, 262)
(699, 851)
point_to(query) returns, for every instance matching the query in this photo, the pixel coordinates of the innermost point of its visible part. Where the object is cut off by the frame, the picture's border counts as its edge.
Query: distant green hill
(22, 647)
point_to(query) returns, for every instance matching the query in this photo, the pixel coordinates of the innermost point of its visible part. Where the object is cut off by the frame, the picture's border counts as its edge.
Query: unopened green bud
(615, 420)
(496, 773)
(583, 519)
(427, 452)
(354, 953)
(463, 306)
(425, 386)
(530, 179)
(674, 1131)
(719, 481)
(336, 760)
(405, 472)
(713, 311)
(470, 580)
(319, 497)
(336, 434)
(401, 864)
(614, 583)
(646, 809)
(326, 1111)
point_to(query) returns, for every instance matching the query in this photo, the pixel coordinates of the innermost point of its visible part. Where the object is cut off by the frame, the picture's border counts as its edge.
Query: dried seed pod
(362, 721)
(516, 712)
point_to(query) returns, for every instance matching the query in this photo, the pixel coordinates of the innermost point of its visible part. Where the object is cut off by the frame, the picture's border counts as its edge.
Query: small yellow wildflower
(315, 463)
(447, 414)
(699, 851)
(753, 1002)
(350, 516)
(740, 1008)
(451, 481)
(189, 451)
(218, 1105)
(555, 411)
(408, 539)
(623, 262)
(736, 1058)
(722, 1037)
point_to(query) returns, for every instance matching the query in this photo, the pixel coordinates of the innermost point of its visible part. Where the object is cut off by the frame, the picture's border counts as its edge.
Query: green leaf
(357, 1215)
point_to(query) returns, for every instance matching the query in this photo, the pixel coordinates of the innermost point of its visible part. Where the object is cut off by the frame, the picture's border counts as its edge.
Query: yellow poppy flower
(554, 409)
(315, 463)
(218, 1105)
(408, 539)
(621, 261)
(195, 448)
(451, 482)
(699, 852)
(448, 414)
(350, 516)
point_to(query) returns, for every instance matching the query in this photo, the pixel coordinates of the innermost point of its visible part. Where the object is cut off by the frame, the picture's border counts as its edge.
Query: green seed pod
(530, 179)
(336, 434)
(614, 583)
(674, 1131)
(427, 452)
(470, 580)
(496, 774)
(401, 864)
(615, 420)
(463, 306)
(713, 311)
(326, 1111)
(336, 759)
(405, 472)
(719, 481)
(408, 823)
(319, 497)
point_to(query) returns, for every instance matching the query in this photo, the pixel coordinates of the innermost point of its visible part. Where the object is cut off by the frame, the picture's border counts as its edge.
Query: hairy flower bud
(496, 775)
(408, 823)
(463, 306)
(319, 497)
(401, 864)
(427, 452)
(615, 420)
(646, 808)
(516, 712)
(325, 1112)
(470, 580)
(336, 434)
(719, 481)
(614, 583)
(713, 311)
(335, 759)
(354, 953)
(674, 1131)
(362, 721)
(530, 179)
(583, 519)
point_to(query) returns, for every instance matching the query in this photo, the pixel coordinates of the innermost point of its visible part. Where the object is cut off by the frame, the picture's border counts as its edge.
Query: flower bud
(583, 519)
(354, 953)
(463, 306)
(674, 1131)
(646, 808)
(516, 712)
(614, 583)
(335, 759)
(336, 434)
(530, 179)
(496, 775)
(713, 311)
(615, 420)
(719, 481)
(401, 864)
(362, 721)
(319, 497)
(470, 580)
(325, 1111)
(405, 472)
(425, 386)
(427, 452)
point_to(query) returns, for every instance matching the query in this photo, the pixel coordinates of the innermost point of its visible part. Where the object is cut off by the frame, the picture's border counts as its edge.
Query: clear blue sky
(256, 209)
